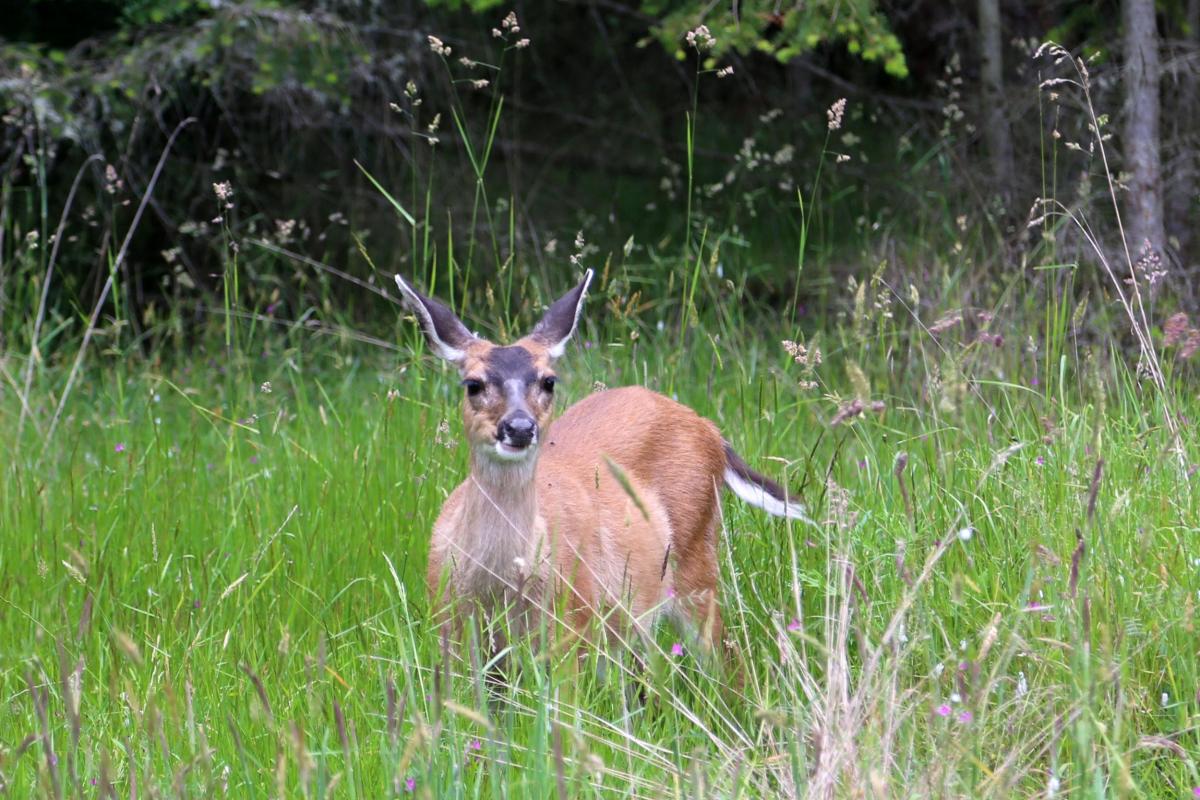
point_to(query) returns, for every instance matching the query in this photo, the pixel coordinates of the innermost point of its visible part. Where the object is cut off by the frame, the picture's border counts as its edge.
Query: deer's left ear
(561, 319)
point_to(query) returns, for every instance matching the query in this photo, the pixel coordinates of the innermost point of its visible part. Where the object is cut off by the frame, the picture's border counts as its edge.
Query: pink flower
(794, 625)
(965, 717)
(943, 710)
(677, 649)
(120, 448)
(410, 784)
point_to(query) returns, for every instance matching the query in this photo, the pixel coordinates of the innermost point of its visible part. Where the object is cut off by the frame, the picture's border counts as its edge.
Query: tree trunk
(995, 121)
(1183, 167)
(1143, 202)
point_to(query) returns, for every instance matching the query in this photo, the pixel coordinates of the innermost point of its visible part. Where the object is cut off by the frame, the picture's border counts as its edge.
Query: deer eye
(473, 387)
(548, 384)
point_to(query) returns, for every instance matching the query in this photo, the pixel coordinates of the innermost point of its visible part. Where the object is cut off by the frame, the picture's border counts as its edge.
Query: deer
(612, 509)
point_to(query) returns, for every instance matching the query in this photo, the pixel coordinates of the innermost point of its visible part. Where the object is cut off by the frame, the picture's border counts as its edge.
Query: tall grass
(211, 581)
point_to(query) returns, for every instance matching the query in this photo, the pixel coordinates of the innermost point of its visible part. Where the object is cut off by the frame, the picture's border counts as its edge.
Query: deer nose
(517, 430)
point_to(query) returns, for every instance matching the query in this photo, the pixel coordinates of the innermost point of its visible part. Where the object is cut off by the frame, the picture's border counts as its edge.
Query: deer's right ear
(446, 334)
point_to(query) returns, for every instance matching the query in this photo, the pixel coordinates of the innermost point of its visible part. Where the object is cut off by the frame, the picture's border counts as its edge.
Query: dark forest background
(951, 133)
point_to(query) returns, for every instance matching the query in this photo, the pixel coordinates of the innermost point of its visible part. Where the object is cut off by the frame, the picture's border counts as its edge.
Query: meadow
(212, 573)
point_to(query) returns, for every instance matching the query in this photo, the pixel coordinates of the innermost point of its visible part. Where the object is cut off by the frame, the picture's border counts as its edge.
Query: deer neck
(502, 526)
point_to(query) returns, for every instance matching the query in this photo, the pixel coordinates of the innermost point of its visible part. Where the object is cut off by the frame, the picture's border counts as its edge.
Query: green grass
(207, 585)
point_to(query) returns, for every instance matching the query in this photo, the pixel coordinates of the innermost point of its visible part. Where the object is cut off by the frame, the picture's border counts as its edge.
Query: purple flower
(253, 459)
(794, 625)
(195, 604)
(475, 744)
(862, 463)
(965, 717)
(410, 784)
(120, 448)
(271, 308)
(942, 711)
(677, 649)
(1196, 792)
(1033, 382)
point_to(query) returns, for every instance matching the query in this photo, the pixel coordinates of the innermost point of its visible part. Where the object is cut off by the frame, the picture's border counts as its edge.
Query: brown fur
(576, 529)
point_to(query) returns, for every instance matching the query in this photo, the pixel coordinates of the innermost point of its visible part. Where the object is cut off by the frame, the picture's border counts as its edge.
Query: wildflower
(120, 448)
(1149, 264)
(265, 388)
(835, 113)
(965, 717)
(223, 191)
(111, 182)
(943, 710)
(847, 411)
(410, 784)
(677, 650)
(701, 38)
(1176, 329)
(725, 72)
(1191, 345)
(439, 47)
(966, 533)
(794, 626)
(1040, 461)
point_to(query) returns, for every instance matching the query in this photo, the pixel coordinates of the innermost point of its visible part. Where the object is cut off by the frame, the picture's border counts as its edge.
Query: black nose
(518, 430)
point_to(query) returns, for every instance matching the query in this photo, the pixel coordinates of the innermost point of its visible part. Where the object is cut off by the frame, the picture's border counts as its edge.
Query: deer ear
(561, 319)
(446, 334)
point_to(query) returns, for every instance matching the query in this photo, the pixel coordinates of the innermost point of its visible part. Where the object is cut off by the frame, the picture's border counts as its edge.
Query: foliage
(786, 32)
(782, 32)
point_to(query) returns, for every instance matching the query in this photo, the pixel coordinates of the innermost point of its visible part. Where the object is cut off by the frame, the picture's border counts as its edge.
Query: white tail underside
(757, 496)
